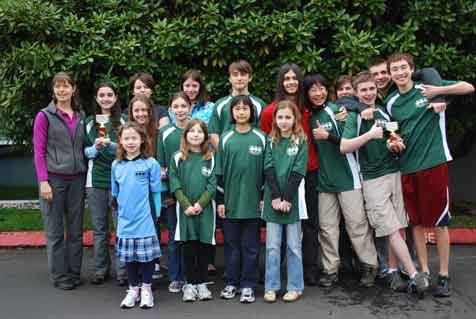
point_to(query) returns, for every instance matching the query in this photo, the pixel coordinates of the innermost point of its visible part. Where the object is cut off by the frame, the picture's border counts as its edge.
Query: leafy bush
(112, 39)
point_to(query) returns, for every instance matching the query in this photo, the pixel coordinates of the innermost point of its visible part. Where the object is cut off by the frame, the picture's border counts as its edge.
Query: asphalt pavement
(26, 293)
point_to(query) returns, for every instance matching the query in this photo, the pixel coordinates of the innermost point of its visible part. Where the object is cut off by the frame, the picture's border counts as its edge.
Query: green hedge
(112, 39)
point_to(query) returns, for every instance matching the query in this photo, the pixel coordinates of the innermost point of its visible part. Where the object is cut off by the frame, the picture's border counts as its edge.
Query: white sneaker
(190, 293)
(204, 293)
(176, 286)
(229, 292)
(247, 295)
(131, 298)
(146, 297)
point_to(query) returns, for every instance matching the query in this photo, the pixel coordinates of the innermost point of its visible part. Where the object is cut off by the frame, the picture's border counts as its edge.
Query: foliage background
(112, 39)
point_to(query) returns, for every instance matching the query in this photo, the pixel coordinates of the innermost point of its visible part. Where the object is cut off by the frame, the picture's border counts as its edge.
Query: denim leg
(273, 256)
(98, 209)
(74, 227)
(232, 231)
(174, 251)
(294, 257)
(250, 245)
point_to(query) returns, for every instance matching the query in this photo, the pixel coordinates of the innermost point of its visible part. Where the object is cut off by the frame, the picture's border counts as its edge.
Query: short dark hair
(341, 80)
(145, 78)
(246, 100)
(377, 61)
(309, 81)
(361, 77)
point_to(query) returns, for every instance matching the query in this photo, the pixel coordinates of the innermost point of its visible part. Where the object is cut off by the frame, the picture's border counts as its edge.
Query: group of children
(298, 164)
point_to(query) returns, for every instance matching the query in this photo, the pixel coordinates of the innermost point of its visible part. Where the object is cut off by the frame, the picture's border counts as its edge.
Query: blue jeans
(174, 251)
(241, 251)
(274, 233)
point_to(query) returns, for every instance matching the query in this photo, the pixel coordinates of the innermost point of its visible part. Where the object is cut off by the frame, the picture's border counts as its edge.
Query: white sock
(413, 275)
(391, 270)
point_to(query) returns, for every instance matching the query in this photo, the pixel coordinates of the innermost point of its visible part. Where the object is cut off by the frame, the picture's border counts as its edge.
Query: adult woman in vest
(59, 140)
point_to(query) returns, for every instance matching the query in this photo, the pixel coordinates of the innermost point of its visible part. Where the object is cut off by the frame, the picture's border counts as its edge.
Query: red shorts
(426, 196)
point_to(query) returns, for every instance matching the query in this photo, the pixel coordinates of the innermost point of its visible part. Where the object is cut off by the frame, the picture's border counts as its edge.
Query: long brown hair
(196, 76)
(204, 147)
(280, 92)
(151, 126)
(115, 110)
(297, 134)
(66, 77)
(145, 148)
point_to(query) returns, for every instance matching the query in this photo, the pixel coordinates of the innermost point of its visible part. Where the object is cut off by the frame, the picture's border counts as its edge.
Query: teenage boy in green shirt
(240, 75)
(381, 181)
(425, 180)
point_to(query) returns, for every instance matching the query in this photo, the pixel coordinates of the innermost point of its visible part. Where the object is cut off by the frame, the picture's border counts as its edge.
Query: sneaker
(190, 293)
(419, 284)
(383, 273)
(396, 282)
(368, 276)
(98, 279)
(247, 295)
(269, 296)
(229, 292)
(204, 293)
(131, 298)
(292, 296)
(442, 288)
(157, 274)
(176, 286)
(328, 280)
(146, 297)
(64, 285)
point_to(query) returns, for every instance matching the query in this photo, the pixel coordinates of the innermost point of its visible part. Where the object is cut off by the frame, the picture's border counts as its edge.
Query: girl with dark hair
(143, 83)
(193, 85)
(288, 87)
(240, 176)
(101, 133)
(59, 140)
(339, 187)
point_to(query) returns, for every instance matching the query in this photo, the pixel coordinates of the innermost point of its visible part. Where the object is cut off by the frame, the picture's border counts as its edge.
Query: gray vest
(64, 154)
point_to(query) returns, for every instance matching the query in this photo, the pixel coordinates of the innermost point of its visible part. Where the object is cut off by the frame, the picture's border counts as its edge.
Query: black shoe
(310, 278)
(368, 276)
(98, 279)
(442, 288)
(77, 282)
(121, 282)
(396, 282)
(64, 285)
(328, 280)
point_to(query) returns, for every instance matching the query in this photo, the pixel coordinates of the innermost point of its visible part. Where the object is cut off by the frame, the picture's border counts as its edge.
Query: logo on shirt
(206, 171)
(255, 150)
(421, 102)
(140, 173)
(291, 151)
(327, 126)
(381, 122)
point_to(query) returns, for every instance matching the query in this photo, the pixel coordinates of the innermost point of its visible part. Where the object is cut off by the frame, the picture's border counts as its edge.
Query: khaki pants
(351, 205)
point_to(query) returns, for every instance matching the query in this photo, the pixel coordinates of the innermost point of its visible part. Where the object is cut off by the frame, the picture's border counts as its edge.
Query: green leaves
(112, 39)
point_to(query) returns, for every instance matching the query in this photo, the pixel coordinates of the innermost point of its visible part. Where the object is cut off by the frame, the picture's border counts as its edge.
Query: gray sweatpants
(63, 225)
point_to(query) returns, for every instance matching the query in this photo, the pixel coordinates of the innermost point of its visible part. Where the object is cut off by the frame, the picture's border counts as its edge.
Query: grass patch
(18, 192)
(12, 219)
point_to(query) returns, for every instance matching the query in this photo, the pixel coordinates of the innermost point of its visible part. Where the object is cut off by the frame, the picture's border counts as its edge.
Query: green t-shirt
(221, 116)
(99, 168)
(285, 157)
(168, 142)
(374, 158)
(194, 176)
(423, 131)
(337, 172)
(240, 160)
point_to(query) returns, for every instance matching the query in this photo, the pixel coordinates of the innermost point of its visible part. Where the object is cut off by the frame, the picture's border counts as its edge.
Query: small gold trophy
(394, 139)
(102, 119)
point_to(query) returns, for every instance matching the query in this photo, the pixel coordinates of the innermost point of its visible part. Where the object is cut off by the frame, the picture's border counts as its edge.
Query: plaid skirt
(138, 249)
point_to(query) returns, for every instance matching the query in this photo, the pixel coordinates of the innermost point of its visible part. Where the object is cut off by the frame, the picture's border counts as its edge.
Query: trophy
(102, 119)
(394, 139)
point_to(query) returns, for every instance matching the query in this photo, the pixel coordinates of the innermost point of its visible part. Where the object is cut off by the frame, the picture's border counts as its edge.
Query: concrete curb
(465, 236)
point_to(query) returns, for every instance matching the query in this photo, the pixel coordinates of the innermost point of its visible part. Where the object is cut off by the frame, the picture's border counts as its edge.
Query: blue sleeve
(111, 148)
(155, 177)
(114, 184)
(157, 203)
(90, 152)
